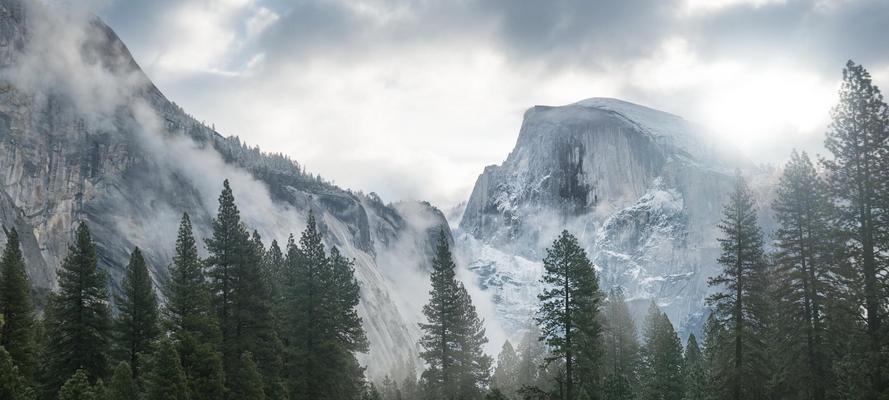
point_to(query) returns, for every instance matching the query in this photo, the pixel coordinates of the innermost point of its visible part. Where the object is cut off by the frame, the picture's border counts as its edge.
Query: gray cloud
(433, 91)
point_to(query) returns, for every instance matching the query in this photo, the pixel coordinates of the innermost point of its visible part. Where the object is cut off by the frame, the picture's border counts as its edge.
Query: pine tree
(191, 320)
(240, 297)
(17, 334)
(453, 335)
(739, 304)
(77, 388)
(858, 138)
(247, 383)
(13, 385)
(307, 266)
(226, 248)
(137, 322)
(78, 316)
(506, 376)
(803, 271)
(568, 314)
(122, 385)
(662, 358)
(165, 379)
(622, 357)
(694, 372)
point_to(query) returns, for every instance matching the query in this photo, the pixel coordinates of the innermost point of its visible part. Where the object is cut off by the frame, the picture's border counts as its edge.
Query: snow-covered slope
(642, 189)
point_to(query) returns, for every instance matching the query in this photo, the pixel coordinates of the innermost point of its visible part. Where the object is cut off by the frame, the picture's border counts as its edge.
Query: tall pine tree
(695, 374)
(739, 303)
(803, 274)
(78, 316)
(165, 379)
(191, 320)
(452, 336)
(137, 323)
(17, 334)
(858, 138)
(506, 375)
(569, 317)
(662, 358)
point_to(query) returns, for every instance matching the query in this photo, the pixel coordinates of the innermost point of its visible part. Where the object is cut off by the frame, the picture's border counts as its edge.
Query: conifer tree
(13, 385)
(453, 335)
(192, 321)
(78, 388)
(694, 372)
(858, 138)
(17, 333)
(165, 379)
(662, 358)
(568, 315)
(137, 322)
(247, 383)
(506, 375)
(226, 248)
(622, 357)
(803, 273)
(739, 304)
(78, 316)
(122, 385)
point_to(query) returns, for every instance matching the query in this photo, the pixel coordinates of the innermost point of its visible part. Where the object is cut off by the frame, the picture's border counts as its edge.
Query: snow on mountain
(641, 189)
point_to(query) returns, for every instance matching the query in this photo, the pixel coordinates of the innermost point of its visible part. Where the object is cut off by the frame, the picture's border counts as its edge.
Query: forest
(796, 314)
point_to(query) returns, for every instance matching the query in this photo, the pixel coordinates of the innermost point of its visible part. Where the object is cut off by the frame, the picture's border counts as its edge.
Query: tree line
(797, 314)
(245, 322)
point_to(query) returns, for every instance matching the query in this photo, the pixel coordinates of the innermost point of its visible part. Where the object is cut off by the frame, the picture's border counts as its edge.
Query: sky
(411, 99)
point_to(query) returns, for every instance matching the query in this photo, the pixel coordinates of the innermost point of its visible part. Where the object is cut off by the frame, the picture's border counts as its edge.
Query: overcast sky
(411, 99)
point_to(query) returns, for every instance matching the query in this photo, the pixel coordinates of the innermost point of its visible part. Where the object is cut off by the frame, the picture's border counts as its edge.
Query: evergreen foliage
(453, 335)
(569, 315)
(17, 334)
(739, 304)
(662, 359)
(858, 139)
(191, 321)
(165, 379)
(137, 323)
(78, 316)
(122, 385)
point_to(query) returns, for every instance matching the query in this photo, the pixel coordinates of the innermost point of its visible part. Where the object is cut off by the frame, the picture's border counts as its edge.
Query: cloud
(412, 98)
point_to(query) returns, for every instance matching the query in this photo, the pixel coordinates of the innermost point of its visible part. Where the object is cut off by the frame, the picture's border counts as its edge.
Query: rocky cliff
(642, 189)
(85, 136)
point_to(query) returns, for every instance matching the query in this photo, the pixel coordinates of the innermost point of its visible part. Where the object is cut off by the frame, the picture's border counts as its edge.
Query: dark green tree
(164, 378)
(247, 383)
(740, 302)
(17, 333)
(569, 315)
(661, 358)
(622, 358)
(452, 336)
(78, 388)
(78, 316)
(122, 385)
(13, 385)
(803, 276)
(191, 320)
(137, 324)
(695, 373)
(858, 139)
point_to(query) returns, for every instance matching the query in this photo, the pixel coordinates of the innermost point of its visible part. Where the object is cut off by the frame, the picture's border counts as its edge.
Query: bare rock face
(85, 136)
(640, 188)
